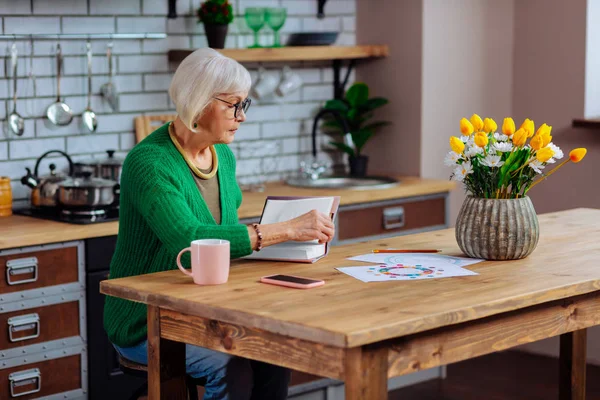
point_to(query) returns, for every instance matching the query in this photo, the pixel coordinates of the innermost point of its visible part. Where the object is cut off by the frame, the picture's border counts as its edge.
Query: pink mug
(210, 261)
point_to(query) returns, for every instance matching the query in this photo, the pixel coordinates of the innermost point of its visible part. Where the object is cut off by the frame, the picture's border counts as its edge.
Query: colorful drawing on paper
(401, 270)
(438, 260)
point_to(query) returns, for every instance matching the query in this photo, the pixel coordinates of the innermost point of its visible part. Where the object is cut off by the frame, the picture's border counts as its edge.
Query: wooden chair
(146, 124)
(141, 371)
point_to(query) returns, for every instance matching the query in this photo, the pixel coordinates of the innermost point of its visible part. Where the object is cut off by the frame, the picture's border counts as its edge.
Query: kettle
(45, 189)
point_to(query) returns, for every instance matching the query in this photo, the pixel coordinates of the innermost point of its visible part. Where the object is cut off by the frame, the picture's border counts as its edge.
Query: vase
(215, 35)
(497, 229)
(358, 166)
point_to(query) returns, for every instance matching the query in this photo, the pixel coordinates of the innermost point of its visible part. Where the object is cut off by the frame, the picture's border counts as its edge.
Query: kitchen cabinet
(43, 330)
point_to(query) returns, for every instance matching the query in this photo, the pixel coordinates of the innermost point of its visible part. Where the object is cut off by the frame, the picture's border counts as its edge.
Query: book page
(284, 210)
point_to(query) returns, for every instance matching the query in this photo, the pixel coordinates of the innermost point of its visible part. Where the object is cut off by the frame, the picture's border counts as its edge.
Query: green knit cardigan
(161, 212)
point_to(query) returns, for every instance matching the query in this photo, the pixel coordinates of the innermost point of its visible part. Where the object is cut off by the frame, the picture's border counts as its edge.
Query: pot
(87, 192)
(110, 167)
(44, 189)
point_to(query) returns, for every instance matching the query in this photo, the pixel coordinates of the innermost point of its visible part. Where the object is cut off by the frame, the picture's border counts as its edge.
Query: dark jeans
(227, 377)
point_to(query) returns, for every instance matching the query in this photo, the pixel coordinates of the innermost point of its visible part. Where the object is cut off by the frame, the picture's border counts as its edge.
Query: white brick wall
(275, 138)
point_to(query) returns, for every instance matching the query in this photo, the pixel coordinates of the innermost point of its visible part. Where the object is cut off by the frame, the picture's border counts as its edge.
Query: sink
(344, 182)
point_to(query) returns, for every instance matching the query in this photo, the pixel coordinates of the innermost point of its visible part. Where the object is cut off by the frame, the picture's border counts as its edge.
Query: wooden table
(365, 333)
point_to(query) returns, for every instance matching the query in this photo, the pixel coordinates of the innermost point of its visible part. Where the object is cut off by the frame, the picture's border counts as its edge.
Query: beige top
(209, 189)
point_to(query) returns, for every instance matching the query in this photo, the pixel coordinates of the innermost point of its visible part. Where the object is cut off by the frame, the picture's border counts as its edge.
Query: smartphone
(292, 281)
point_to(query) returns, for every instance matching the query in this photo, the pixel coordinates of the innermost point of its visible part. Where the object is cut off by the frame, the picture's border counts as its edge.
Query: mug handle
(185, 271)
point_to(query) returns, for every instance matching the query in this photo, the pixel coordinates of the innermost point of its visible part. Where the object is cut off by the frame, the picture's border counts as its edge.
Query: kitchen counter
(19, 231)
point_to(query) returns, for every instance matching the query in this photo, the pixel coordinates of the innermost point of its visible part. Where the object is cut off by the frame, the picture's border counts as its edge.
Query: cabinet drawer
(28, 270)
(41, 378)
(40, 324)
(390, 218)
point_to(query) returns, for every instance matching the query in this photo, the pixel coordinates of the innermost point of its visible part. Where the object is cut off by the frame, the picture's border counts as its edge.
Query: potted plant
(356, 108)
(497, 220)
(216, 15)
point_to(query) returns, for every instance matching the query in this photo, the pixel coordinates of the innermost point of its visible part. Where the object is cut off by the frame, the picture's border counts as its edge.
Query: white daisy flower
(462, 171)
(503, 147)
(536, 166)
(501, 137)
(473, 151)
(491, 161)
(452, 158)
(468, 139)
(558, 153)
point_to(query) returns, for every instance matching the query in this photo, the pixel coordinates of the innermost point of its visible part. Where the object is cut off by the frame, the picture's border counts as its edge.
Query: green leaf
(376, 125)
(374, 103)
(341, 146)
(357, 95)
(360, 138)
(336, 104)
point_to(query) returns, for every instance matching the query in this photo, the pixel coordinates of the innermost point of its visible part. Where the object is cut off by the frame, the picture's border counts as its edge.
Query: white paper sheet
(438, 260)
(403, 272)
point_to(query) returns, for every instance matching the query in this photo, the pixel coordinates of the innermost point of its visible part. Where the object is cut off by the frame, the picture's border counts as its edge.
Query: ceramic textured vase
(497, 229)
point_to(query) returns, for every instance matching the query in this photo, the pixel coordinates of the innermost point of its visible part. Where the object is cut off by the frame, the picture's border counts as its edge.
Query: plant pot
(497, 229)
(358, 166)
(215, 34)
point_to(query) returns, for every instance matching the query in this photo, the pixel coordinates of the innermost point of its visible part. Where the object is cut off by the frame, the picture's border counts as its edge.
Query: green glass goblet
(255, 18)
(275, 18)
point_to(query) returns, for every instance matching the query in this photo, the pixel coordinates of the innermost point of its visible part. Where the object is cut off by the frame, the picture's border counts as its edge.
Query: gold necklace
(195, 170)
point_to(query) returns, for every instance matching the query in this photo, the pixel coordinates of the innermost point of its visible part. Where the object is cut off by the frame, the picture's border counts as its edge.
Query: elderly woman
(179, 185)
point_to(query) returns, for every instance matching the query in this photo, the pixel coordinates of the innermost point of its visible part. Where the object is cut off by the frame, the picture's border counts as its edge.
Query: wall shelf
(593, 123)
(294, 53)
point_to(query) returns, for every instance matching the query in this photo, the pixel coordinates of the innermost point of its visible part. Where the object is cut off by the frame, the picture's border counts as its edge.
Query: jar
(5, 197)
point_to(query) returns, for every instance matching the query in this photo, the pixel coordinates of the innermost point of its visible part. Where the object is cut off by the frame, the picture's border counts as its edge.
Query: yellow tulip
(466, 127)
(544, 129)
(481, 139)
(577, 155)
(520, 137)
(544, 154)
(508, 126)
(476, 122)
(536, 142)
(529, 127)
(489, 125)
(456, 145)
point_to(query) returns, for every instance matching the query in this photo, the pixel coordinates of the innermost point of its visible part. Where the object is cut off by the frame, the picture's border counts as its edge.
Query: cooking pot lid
(86, 181)
(111, 159)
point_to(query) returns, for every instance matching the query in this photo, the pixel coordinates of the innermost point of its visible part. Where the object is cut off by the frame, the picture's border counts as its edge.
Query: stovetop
(80, 217)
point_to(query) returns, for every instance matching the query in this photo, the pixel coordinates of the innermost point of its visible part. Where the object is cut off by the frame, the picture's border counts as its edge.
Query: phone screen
(287, 278)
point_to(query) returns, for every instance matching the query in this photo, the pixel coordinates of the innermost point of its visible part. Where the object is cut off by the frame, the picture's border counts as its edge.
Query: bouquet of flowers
(496, 165)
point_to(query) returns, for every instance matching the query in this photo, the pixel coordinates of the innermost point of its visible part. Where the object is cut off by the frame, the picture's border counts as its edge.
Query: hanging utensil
(16, 123)
(109, 89)
(89, 117)
(59, 113)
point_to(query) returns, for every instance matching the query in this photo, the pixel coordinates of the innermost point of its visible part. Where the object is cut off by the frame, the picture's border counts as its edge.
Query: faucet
(315, 169)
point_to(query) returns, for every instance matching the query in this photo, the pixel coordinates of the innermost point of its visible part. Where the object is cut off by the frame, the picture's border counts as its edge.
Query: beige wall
(467, 68)
(396, 149)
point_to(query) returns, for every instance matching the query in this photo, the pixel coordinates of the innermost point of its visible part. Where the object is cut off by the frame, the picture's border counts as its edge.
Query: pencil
(406, 251)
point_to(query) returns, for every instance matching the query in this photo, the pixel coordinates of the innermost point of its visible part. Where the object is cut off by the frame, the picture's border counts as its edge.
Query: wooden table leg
(166, 363)
(366, 371)
(572, 365)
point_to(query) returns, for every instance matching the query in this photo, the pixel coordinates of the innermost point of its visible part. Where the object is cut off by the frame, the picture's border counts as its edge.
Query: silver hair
(200, 77)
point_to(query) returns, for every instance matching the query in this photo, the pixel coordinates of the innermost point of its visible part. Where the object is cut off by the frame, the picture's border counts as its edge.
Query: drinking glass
(255, 18)
(275, 18)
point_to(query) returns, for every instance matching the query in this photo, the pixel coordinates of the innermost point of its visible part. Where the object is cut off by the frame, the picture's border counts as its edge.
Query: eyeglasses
(243, 105)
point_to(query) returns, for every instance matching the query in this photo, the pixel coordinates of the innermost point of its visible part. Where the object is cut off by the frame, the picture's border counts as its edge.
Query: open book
(282, 208)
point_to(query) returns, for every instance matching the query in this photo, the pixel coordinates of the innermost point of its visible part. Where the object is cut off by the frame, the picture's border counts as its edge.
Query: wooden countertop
(19, 231)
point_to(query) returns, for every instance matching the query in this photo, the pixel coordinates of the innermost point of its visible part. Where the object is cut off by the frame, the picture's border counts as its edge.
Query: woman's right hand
(310, 226)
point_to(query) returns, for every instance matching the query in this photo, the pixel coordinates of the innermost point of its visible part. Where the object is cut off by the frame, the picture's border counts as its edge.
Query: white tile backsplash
(88, 25)
(268, 145)
(59, 7)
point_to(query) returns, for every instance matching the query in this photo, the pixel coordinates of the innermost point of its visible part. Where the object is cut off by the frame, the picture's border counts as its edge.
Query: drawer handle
(22, 378)
(393, 218)
(23, 323)
(22, 266)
